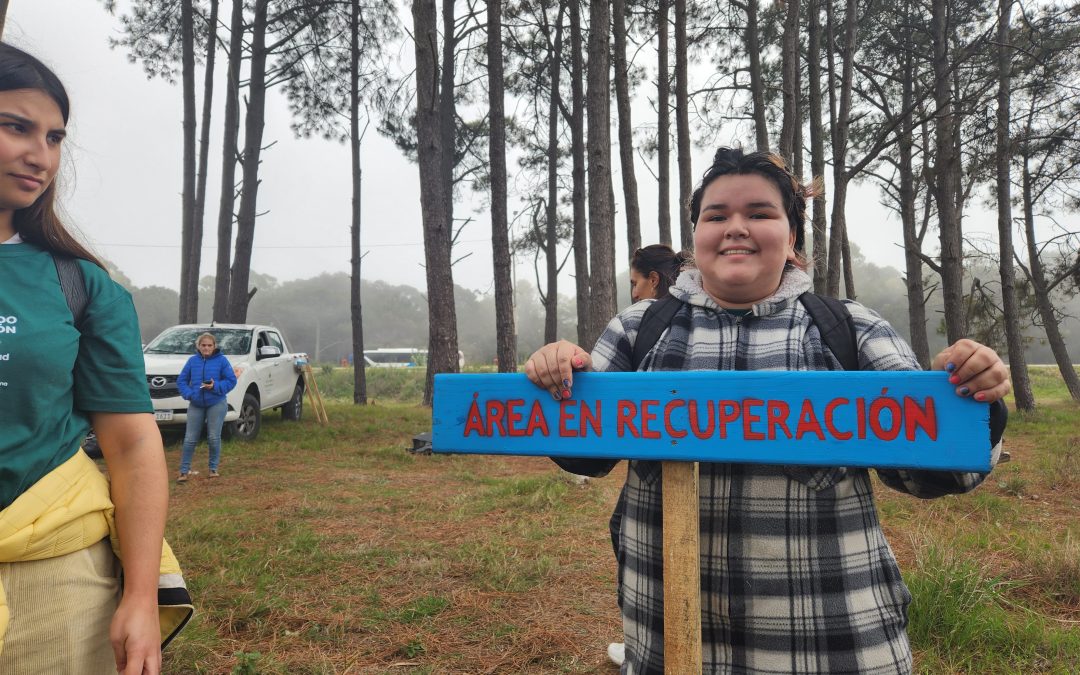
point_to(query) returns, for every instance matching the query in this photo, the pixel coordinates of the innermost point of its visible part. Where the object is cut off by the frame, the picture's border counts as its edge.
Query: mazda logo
(157, 382)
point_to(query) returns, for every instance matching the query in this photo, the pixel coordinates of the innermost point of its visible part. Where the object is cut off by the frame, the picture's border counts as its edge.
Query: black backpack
(73, 284)
(830, 315)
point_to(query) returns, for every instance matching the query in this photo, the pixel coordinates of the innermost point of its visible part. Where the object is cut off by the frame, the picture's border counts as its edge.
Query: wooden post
(682, 572)
(314, 396)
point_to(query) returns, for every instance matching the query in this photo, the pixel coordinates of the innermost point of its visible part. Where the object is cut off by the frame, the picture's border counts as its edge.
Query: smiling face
(742, 239)
(31, 132)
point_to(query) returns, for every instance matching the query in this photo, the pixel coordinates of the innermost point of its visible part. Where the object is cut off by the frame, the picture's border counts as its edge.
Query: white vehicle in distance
(400, 357)
(267, 375)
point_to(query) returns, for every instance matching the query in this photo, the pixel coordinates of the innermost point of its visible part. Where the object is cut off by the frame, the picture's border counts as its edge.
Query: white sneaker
(616, 651)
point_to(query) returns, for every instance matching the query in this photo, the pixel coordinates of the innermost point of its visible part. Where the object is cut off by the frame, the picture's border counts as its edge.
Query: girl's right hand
(552, 367)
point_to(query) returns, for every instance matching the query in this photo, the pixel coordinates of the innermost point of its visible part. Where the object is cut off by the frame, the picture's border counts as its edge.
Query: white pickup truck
(267, 374)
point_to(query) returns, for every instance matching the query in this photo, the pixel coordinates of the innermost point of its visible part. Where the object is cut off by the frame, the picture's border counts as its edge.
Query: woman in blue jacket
(205, 380)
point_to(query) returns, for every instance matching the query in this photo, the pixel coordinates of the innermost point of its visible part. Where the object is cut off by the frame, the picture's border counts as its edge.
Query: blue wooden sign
(823, 418)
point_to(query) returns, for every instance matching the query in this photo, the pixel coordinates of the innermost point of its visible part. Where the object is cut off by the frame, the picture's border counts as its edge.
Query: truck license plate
(163, 415)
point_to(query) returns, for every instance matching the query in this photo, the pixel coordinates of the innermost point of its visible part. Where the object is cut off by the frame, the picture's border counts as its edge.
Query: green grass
(1047, 384)
(383, 384)
(388, 385)
(961, 620)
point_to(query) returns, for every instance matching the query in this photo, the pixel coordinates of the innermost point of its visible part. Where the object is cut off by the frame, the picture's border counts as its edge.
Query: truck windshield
(181, 340)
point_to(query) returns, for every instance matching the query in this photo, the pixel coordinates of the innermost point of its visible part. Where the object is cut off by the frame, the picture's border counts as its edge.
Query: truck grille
(162, 386)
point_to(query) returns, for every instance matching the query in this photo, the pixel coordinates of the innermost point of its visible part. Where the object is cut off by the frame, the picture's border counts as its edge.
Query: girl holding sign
(796, 574)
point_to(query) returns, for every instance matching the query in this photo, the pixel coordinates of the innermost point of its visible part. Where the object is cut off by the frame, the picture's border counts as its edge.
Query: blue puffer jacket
(197, 369)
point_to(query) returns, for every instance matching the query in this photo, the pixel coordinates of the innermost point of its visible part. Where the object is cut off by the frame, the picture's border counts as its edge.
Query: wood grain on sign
(823, 418)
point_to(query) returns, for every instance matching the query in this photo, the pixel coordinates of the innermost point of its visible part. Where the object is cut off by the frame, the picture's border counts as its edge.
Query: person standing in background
(205, 380)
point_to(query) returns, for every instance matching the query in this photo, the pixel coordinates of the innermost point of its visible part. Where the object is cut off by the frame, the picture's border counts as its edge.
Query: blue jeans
(213, 417)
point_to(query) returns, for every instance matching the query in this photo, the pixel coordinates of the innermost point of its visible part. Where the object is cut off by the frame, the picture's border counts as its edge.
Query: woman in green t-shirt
(67, 613)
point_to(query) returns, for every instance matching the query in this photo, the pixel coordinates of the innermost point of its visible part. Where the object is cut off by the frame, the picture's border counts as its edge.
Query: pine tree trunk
(577, 142)
(1042, 293)
(832, 258)
(1023, 395)
(204, 141)
(663, 125)
(626, 128)
(797, 158)
(839, 249)
(913, 265)
(947, 166)
(601, 206)
(817, 147)
(435, 133)
(849, 268)
(230, 145)
(254, 123)
(551, 296)
(505, 334)
(682, 127)
(189, 276)
(356, 309)
(790, 81)
(757, 79)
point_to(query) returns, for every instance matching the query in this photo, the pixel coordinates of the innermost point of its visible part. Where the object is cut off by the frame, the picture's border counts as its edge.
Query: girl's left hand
(975, 370)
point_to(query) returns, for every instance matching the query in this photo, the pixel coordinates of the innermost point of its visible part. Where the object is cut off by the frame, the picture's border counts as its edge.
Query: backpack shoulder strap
(653, 324)
(73, 284)
(836, 326)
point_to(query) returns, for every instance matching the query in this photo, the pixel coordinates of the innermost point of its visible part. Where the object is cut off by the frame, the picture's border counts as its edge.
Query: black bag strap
(836, 326)
(654, 322)
(73, 284)
(830, 315)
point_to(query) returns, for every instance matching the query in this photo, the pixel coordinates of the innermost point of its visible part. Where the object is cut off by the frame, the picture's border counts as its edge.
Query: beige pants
(60, 613)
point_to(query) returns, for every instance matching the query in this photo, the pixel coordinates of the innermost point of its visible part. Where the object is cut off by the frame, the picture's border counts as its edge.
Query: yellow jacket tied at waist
(68, 510)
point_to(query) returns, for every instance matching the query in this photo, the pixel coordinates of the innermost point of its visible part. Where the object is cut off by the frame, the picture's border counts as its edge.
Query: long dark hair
(38, 223)
(771, 166)
(661, 259)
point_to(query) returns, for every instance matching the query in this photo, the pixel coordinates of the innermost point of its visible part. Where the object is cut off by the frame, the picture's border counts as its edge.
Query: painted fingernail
(964, 391)
(578, 362)
(555, 395)
(566, 393)
(566, 384)
(950, 366)
(955, 379)
(980, 396)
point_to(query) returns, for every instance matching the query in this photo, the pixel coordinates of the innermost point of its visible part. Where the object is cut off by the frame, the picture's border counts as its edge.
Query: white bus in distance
(399, 357)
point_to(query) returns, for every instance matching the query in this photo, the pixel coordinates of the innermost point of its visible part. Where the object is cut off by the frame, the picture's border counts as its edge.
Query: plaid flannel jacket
(796, 574)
